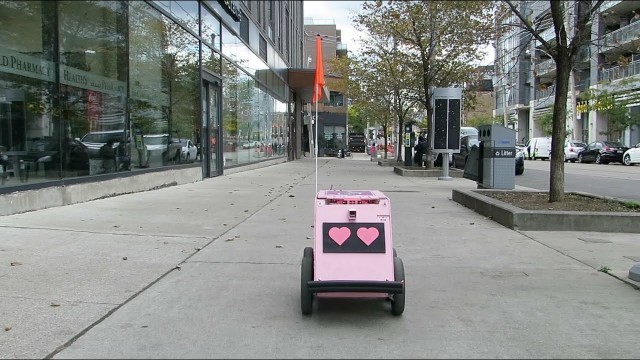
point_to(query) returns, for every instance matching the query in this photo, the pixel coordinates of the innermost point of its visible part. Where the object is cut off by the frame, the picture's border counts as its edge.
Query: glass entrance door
(211, 147)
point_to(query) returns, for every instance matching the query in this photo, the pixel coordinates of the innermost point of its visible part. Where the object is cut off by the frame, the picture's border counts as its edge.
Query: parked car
(45, 153)
(467, 142)
(250, 145)
(602, 152)
(464, 131)
(538, 148)
(94, 140)
(189, 150)
(162, 149)
(572, 148)
(632, 156)
(459, 159)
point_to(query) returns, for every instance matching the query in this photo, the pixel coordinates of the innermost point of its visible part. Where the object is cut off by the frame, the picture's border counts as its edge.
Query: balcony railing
(623, 35)
(541, 94)
(545, 67)
(583, 85)
(620, 72)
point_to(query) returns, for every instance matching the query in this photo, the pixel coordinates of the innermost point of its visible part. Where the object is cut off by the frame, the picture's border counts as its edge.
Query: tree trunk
(400, 146)
(429, 152)
(556, 176)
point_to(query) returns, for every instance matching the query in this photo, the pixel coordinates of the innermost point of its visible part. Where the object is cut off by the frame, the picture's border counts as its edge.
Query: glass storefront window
(29, 126)
(210, 28)
(128, 90)
(165, 92)
(210, 59)
(230, 113)
(93, 75)
(186, 11)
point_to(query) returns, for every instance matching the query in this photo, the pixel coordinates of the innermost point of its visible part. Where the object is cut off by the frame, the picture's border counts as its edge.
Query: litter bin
(498, 152)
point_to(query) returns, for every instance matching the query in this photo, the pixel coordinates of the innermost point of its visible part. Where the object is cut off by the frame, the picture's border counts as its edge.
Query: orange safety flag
(318, 83)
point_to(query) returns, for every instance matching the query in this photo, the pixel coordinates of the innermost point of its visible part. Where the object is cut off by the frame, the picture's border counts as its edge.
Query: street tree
(394, 78)
(616, 109)
(572, 22)
(440, 38)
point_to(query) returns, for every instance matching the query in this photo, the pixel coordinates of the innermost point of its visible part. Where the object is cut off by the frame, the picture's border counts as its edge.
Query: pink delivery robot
(352, 254)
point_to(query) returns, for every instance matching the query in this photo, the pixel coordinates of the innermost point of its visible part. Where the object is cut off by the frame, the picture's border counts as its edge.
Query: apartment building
(157, 92)
(526, 74)
(332, 110)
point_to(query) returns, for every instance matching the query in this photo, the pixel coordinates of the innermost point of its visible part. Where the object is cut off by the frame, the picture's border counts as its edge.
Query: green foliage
(631, 205)
(483, 120)
(357, 122)
(545, 123)
(616, 109)
(605, 269)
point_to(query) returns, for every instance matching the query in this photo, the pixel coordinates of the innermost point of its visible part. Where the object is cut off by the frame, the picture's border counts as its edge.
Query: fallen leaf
(292, 196)
(16, 263)
(54, 305)
(7, 328)
(278, 246)
(246, 211)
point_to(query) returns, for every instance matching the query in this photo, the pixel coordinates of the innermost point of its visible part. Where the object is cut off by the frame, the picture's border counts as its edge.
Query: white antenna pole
(316, 145)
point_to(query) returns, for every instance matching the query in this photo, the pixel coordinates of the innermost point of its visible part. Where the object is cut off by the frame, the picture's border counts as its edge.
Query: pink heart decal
(368, 235)
(339, 235)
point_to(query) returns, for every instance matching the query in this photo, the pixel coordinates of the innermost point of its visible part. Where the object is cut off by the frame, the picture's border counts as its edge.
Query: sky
(342, 12)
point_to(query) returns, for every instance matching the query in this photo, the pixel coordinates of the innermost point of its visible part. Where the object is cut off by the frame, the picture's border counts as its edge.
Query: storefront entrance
(211, 149)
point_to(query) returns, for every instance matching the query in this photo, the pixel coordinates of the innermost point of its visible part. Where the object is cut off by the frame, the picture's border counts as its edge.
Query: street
(612, 180)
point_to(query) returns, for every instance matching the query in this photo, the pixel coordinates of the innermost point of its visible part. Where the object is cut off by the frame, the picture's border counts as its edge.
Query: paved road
(614, 180)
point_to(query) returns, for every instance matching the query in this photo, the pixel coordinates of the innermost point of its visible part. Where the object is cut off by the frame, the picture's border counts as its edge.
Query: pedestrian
(421, 149)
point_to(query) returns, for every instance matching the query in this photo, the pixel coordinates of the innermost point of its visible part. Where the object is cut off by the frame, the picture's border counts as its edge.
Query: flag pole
(318, 85)
(316, 144)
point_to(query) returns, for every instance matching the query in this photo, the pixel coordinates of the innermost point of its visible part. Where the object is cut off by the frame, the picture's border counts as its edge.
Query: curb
(541, 220)
(417, 172)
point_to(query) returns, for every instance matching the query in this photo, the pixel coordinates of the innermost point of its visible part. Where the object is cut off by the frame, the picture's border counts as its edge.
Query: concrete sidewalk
(211, 269)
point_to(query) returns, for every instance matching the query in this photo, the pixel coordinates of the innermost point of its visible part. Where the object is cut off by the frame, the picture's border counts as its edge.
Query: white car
(572, 148)
(189, 150)
(632, 156)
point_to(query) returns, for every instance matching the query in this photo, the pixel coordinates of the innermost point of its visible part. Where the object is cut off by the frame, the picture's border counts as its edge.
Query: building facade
(98, 90)
(332, 110)
(526, 75)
